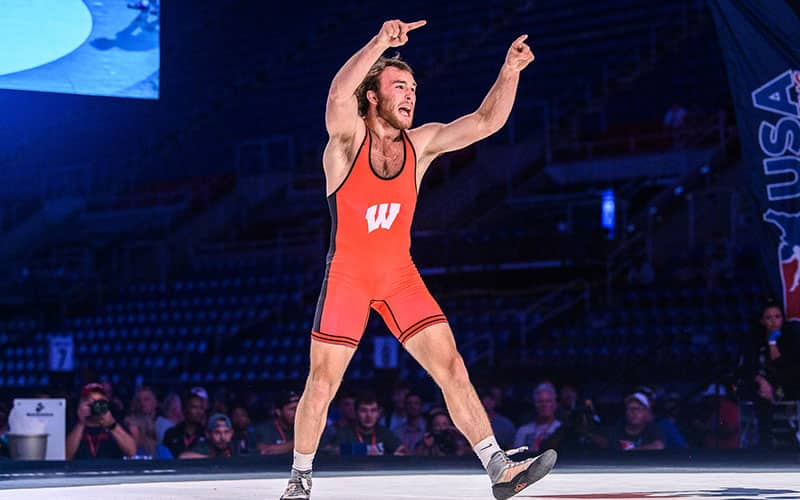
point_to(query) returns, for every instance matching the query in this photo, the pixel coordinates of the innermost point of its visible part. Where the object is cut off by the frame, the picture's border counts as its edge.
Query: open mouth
(405, 111)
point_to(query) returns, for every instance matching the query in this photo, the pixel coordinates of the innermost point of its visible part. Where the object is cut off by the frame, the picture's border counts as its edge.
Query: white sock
(302, 462)
(486, 448)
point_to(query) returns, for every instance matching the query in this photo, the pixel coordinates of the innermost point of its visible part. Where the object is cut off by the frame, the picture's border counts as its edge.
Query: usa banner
(760, 40)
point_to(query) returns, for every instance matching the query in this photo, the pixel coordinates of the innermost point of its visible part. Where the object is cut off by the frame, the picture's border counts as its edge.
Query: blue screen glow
(92, 47)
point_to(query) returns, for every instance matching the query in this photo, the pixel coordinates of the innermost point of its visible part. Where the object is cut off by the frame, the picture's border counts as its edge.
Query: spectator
(4, 451)
(499, 394)
(202, 394)
(768, 368)
(244, 434)
(443, 439)
(97, 433)
(504, 429)
(346, 410)
(637, 432)
(721, 419)
(145, 403)
(143, 431)
(567, 401)
(397, 413)
(219, 403)
(181, 437)
(412, 429)
(276, 437)
(541, 433)
(219, 434)
(114, 403)
(367, 437)
(670, 422)
(581, 432)
(172, 415)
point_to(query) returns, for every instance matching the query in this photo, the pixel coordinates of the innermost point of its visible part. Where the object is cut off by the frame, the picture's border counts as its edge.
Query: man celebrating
(374, 163)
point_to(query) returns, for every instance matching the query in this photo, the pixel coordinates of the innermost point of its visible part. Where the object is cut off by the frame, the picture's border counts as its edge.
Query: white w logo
(382, 215)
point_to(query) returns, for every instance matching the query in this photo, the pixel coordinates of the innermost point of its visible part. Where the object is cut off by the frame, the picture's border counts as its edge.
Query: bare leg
(435, 349)
(328, 364)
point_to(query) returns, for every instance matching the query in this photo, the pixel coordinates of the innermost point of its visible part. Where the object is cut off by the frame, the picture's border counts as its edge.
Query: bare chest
(387, 160)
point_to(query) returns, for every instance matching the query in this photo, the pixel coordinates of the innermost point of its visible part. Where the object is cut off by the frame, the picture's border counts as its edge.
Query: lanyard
(95, 445)
(540, 435)
(188, 440)
(361, 438)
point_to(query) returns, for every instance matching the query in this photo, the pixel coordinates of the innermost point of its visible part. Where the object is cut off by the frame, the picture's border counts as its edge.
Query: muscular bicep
(438, 138)
(341, 116)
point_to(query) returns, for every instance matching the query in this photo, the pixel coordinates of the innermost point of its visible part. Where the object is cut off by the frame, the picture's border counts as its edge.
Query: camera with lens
(98, 407)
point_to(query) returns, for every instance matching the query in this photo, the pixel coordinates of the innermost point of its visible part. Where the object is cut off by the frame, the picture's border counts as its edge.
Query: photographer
(97, 434)
(443, 440)
(581, 431)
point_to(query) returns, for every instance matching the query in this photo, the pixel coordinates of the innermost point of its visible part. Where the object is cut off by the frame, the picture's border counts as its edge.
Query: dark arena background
(618, 263)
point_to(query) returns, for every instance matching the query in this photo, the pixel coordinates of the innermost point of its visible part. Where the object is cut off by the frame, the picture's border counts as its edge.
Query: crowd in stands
(541, 415)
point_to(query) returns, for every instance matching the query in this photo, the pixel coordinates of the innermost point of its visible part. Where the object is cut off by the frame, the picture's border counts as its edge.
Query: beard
(392, 116)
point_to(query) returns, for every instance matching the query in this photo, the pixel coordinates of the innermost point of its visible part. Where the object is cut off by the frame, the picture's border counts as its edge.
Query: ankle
(303, 462)
(486, 449)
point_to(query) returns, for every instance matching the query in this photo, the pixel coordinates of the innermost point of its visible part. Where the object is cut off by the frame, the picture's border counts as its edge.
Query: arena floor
(568, 482)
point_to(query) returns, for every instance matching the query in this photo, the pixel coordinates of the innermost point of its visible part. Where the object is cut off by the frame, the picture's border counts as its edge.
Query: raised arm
(341, 113)
(434, 139)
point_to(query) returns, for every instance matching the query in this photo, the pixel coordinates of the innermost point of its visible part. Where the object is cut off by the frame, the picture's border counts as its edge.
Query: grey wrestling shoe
(510, 477)
(299, 487)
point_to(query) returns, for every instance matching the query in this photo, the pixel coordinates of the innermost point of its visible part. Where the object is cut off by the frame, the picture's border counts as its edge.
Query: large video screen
(108, 47)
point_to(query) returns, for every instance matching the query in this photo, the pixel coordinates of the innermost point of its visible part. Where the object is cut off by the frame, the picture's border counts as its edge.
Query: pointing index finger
(519, 40)
(416, 24)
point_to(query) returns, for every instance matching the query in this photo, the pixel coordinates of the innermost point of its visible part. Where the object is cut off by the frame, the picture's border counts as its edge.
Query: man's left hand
(107, 419)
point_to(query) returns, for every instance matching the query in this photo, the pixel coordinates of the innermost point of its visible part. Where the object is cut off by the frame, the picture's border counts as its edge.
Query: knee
(453, 371)
(321, 386)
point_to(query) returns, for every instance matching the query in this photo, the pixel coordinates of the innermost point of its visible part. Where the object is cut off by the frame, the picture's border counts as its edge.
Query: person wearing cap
(97, 434)
(219, 434)
(181, 437)
(638, 432)
(202, 393)
(276, 436)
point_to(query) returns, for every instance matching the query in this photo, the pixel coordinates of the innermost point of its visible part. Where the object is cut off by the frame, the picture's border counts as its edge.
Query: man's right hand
(394, 33)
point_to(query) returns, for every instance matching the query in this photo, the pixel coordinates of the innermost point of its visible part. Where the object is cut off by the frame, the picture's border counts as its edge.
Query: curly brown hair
(370, 81)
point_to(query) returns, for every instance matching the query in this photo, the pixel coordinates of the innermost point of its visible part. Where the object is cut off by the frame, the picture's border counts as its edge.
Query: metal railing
(562, 299)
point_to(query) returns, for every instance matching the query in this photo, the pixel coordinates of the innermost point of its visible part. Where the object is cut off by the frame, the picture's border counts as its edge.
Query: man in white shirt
(544, 425)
